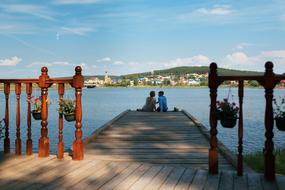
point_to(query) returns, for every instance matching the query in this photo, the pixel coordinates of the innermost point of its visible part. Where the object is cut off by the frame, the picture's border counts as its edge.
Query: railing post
(7, 139)
(240, 129)
(44, 145)
(213, 85)
(60, 145)
(29, 143)
(18, 147)
(78, 146)
(269, 158)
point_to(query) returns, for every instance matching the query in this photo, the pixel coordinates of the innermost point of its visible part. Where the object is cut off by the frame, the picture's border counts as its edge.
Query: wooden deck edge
(103, 127)
(223, 150)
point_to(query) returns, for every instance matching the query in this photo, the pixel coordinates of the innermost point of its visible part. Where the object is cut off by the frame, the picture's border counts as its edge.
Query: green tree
(136, 82)
(253, 83)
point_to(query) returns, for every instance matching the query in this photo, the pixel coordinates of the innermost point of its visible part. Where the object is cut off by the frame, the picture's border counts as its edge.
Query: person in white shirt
(150, 103)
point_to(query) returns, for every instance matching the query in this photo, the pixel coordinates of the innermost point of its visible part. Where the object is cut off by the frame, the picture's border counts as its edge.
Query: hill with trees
(178, 71)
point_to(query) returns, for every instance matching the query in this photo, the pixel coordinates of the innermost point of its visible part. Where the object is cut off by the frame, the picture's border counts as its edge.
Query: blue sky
(128, 36)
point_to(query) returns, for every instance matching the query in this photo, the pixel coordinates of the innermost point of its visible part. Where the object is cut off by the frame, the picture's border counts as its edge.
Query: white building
(193, 82)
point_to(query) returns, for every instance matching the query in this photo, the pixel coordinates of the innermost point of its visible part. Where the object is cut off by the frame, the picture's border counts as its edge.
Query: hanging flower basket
(227, 113)
(69, 117)
(279, 113)
(37, 104)
(67, 108)
(36, 115)
(280, 123)
(228, 122)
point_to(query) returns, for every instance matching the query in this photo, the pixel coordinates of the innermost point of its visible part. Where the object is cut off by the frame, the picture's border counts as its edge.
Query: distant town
(174, 77)
(191, 79)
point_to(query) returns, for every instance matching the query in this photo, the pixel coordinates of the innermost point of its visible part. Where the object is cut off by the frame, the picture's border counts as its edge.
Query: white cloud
(218, 14)
(7, 29)
(216, 10)
(81, 31)
(243, 45)
(13, 61)
(70, 2)
(119, 63)
(277, 54)
(237, 58)
(49, 64)
(198, 60)
(105, 59)
(34, 10)
(240, 60)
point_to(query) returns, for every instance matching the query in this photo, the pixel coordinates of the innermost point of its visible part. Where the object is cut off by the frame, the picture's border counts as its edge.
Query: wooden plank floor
(136, 151)
(50, 173)
(158, 138)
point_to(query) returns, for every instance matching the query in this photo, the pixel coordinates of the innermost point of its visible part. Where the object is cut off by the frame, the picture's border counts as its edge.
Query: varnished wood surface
(167, 163)
(32, 172)
(157, 138)
(268, 80)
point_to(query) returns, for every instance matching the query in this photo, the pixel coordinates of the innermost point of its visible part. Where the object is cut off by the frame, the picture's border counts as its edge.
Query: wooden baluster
(44, 145)
(240, 130)
(29, 143)
(60, 145)
(7, 139)
(213, 85)
(78, 146)
(18, 119)
(269, 158)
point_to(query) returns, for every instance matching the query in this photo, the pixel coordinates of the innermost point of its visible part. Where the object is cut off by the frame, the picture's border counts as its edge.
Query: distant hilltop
(179, 71)
(178, 76)
(189, 70)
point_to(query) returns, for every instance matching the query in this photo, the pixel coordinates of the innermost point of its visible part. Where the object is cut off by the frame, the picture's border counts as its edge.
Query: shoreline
(12, 88)
(180, 87)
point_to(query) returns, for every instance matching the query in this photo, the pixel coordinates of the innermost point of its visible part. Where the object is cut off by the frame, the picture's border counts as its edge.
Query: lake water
(102, 104)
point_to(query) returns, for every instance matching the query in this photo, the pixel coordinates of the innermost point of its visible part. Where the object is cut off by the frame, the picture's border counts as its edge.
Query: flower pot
(69, 117)
(228, 122)
(280, 123)
(36, 115)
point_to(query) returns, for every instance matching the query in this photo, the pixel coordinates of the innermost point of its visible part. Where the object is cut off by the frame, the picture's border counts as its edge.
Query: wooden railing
(44, 82)
(268, 80)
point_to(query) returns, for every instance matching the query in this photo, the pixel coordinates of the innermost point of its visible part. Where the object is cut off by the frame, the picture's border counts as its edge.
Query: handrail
(19, 80)
(44, 82)
(36, 80)
(268, 80)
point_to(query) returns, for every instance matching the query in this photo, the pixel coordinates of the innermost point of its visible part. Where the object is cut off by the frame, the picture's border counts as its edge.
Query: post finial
(44, 69)
(268, 66)
(78, 70)
(213, 66)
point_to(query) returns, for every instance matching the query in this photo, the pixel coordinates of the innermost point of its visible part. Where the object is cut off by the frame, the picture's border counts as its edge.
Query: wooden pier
(158, 138)
(136, 150)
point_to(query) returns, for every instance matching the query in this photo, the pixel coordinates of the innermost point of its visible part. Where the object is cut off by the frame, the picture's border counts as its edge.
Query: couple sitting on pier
(150, 104)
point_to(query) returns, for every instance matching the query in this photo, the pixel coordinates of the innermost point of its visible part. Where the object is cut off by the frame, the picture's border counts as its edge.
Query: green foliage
(194, 69)
(166, 82)
(225, 109)
(279, 108)
(2, 127)
(136, 82)
(37, 103)
(253, 83)
(256, 161)
(66, 106)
